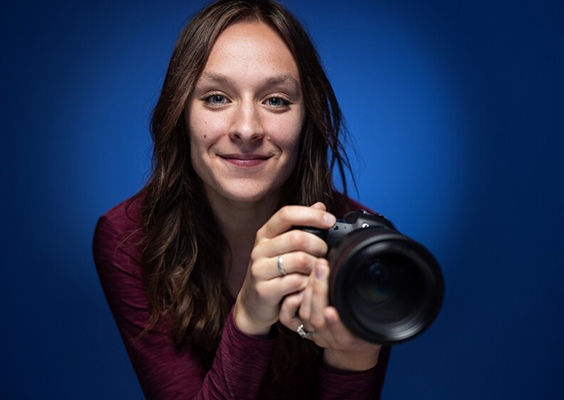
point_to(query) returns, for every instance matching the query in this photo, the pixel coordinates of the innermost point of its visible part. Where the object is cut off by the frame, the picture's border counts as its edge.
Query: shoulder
(125, 217)
(353, 205)
(119, 229)
(117, 249)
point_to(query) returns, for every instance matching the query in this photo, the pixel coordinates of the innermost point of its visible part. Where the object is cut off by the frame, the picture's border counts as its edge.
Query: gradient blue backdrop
(456, 112)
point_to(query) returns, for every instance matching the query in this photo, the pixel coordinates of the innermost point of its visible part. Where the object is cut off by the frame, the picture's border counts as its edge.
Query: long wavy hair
(183, 270)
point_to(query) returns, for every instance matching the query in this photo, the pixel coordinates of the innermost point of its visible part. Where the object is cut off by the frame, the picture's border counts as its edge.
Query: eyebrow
(273, 80)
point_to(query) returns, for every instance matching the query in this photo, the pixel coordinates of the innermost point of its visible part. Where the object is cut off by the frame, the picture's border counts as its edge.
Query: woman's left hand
(310, 308)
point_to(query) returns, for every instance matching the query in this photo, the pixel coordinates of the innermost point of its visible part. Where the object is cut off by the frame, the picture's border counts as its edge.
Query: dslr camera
(387, 287)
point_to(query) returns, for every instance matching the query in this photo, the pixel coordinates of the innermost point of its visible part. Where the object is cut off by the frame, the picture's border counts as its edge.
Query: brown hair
(183, 271)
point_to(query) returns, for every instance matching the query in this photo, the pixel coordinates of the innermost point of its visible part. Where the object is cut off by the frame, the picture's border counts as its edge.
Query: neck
(239, 223)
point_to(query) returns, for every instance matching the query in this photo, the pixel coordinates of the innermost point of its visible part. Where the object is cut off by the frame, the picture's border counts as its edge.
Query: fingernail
(320, 272)
(330, 219)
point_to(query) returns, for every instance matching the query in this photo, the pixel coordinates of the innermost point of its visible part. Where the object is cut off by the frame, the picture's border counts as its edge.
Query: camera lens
(373, 283)
(387, 288)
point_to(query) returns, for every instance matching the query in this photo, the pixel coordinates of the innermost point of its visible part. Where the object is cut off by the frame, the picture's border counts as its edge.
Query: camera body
(352, 221)
(387, 287)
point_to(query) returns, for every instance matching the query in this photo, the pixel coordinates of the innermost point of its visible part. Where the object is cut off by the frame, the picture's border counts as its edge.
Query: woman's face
(245, 115)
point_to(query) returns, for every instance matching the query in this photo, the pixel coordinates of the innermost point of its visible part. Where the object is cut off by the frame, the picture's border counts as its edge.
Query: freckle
(205, 136)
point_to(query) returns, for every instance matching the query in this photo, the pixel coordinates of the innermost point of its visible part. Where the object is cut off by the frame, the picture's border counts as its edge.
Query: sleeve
(328, 383)
(241, 361)
(364, 385)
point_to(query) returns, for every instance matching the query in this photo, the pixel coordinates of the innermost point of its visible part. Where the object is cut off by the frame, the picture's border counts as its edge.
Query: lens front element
(373, 283)
(386, 287)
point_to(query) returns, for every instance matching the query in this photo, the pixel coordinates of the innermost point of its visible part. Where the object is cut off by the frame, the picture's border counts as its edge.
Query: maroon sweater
(241, 365)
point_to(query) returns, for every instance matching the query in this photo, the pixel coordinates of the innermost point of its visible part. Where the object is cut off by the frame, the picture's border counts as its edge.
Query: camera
(387, 287)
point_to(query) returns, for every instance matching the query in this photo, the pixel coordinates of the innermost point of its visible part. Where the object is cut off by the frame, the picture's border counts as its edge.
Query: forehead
(251, 48)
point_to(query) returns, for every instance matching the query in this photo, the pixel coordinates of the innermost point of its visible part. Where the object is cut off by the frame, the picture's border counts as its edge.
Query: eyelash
(285, 103)
(208, 100)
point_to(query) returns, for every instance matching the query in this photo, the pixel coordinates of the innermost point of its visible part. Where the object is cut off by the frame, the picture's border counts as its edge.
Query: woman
(211, 289)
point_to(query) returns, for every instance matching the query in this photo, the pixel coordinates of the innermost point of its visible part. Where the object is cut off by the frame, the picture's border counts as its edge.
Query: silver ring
(280, 267)
(305, 334)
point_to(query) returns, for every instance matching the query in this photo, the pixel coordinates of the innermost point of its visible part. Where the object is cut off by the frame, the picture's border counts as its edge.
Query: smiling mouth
(245, 160)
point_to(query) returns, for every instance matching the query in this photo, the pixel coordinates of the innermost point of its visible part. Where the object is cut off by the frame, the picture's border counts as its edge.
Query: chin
(248, 193)
(248, 196)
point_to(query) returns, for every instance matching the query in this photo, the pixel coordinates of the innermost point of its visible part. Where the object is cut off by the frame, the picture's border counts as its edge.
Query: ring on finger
(305, 334)
(279, 263)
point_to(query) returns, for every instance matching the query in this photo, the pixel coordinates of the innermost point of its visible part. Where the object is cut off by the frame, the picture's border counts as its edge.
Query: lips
(245, 160)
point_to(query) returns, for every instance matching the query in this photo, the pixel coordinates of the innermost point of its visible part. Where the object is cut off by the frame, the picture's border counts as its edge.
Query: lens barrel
(387, 287)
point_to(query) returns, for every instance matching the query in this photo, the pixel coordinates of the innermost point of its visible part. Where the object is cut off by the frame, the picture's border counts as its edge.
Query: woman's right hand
(258, 303)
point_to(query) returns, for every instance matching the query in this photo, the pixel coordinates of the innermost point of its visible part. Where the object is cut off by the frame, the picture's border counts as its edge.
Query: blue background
(457, 115)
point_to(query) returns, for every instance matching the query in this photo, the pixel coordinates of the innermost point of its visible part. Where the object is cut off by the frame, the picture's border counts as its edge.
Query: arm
(351, 367)
(162, 372)
(338, 384)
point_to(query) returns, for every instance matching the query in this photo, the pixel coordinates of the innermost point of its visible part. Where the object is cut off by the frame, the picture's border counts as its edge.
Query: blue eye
(216, 100)
(276, 102)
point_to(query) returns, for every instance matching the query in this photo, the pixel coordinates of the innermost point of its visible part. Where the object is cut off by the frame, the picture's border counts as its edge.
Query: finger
(297, 262)
(292, 241)
(274, 290)
(336, 332)
(320, 206)
(319, 297)
(289, 310)
(290, 216)
(341, 336)
(305, 308)
(290, 314)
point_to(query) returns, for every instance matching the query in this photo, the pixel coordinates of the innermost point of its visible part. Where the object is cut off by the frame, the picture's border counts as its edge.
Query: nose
(246, 124)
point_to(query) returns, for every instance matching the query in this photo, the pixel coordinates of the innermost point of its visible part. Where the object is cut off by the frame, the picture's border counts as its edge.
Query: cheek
(199, 145)
(204, 132)
(287, 133)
